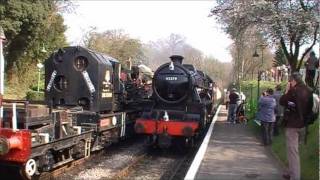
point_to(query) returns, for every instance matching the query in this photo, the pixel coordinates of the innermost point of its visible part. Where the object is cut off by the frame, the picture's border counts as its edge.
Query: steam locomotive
(91, 102)
(184, 101)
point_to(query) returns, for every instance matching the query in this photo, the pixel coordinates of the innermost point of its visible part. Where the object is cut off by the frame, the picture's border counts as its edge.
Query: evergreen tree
(29, 27)
(279, 58)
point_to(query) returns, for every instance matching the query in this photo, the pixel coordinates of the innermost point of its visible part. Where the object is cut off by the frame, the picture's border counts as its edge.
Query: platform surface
(235, 153)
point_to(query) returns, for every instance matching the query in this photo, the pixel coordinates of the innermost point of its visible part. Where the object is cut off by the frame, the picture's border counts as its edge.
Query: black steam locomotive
(183, 103)
(91, 102)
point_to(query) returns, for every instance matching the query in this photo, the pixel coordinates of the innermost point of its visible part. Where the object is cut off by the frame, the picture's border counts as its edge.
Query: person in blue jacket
(266, 115)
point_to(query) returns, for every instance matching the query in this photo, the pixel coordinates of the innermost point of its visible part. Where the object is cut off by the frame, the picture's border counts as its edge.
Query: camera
(291, 106)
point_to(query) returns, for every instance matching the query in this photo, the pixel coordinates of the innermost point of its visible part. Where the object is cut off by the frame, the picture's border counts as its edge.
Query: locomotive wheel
(29, 169)
(204, 118)
(79, 150)
(46, 162)
(190, 142)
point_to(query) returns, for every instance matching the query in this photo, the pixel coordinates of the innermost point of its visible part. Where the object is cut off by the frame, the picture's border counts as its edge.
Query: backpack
(312, 113)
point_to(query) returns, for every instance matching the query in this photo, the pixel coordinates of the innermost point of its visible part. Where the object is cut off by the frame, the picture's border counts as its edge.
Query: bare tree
(292, 23)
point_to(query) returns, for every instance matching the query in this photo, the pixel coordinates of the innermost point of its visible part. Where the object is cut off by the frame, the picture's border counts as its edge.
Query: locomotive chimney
(176, 59)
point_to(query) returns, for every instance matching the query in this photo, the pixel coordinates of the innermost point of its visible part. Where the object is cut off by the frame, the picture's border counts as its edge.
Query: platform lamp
(40, 66)
(256, 58)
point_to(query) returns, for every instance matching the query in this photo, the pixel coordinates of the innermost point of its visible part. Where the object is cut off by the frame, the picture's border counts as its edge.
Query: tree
(158, 53)
(279, 58)
(29, 26)
(291, 23)
(245, 45)
(117, 44)
(218, 71)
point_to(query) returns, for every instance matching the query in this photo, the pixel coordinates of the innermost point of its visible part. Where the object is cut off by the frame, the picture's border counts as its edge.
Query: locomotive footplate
(108, 128)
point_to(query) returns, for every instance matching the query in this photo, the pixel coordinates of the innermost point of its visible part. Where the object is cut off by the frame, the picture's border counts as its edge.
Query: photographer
(266, 109)
(294, 101)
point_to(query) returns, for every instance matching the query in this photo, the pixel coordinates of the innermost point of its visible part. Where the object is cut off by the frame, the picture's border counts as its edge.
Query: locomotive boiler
(183, 104)
(88, 105)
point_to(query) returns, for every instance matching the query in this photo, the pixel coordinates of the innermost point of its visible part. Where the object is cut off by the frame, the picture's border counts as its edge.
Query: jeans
(232, 112)
(267, 132)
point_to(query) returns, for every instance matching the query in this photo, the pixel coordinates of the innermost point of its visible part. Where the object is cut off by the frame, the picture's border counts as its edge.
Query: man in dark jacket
(311, 65)
(294, 101)
(234, 101)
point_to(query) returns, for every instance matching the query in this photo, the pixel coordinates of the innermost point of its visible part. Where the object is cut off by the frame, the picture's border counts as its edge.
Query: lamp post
(2, 39)
(251, 98)
(255, 58)
(40, 66)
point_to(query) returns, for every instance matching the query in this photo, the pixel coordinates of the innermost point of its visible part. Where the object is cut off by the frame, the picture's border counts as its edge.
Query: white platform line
(202, 150)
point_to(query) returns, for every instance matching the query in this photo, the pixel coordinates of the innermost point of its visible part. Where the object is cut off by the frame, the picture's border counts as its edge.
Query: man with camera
(295, 101)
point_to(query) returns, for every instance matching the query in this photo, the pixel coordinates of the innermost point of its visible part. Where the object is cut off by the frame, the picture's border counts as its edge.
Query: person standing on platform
(311, 65)
(266, 115)
(279, 110)
(295, 100)
(226, 99)
(234, 99)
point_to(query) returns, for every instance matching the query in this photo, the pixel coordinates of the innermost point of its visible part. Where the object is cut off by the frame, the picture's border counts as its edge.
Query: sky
(151, 21)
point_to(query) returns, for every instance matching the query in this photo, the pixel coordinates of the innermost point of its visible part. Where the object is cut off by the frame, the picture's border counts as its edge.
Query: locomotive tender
(183, 104)
(89, 106)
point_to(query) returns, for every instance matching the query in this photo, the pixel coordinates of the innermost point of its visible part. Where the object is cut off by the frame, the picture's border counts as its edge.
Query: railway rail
(157, 164)
(110, 163)
(127, 160)
(137, 162)
(160, 164)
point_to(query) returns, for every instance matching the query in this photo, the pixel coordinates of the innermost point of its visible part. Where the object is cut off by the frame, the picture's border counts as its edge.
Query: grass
(309, 153)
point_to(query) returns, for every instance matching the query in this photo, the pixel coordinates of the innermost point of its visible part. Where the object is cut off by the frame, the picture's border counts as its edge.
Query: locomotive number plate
(171, 78)
(106, 95)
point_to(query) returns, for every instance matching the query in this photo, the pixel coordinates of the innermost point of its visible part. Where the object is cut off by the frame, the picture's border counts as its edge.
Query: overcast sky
(150, 21)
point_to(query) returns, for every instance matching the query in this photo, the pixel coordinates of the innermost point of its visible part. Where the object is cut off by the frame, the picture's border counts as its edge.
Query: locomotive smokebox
(177, 59)
(76, 76)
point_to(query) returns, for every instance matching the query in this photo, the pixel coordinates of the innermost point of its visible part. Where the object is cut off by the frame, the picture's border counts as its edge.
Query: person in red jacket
(294, 101)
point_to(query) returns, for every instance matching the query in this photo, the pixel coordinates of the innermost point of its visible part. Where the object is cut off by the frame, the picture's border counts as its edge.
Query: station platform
(233, 152)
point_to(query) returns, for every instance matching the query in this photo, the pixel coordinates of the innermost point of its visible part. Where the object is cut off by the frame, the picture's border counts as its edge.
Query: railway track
(128, 160)
(169, 164)
(63, 169)
(109, 163)
(157, 164)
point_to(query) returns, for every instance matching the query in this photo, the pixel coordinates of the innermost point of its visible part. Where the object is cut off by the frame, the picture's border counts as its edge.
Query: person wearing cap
(234, 99)
(294, 100)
